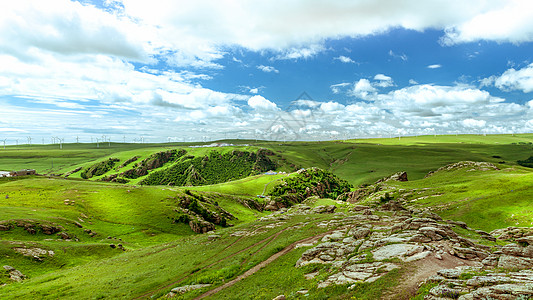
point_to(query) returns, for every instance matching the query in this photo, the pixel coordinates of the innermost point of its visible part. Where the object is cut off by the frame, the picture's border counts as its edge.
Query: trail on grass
(261, 265)
(268, 239)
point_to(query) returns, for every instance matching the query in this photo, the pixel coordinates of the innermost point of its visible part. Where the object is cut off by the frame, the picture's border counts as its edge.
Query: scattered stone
(34, 252)
(14, 274)
(280, 297)
(310, 276)
(186, 288)
(213, 237)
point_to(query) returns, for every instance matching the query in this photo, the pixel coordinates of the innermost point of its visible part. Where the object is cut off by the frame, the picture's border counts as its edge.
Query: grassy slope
(121, 276)
(133, 216)
(483, 199)
(253, 185)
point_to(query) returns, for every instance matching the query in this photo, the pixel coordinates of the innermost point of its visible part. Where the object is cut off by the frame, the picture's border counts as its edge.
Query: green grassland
(161, 254)
(485, 200)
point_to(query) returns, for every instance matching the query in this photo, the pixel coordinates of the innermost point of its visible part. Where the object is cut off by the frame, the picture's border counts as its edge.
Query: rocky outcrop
(399, 176)
(201, 226)
(468, 283)
(513, 256)
(470, 165)
(512, 233)
(31, 226)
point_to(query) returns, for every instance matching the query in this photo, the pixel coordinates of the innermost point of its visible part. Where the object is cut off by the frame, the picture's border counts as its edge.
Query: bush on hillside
(213, 168)
(154, 161)
(99, 168)
(527, 162)
(310, 182)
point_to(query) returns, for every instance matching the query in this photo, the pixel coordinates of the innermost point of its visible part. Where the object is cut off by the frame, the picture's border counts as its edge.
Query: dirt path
(269, 239)
(260, 265)
(424, 268)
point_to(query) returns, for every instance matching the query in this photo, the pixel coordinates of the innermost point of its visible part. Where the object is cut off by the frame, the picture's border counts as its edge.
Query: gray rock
(515, 262)
(359, 232)
(187, 288)
(391, 251)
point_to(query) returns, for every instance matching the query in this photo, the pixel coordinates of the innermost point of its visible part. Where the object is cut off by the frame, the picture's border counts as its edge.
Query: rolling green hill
(77, 238)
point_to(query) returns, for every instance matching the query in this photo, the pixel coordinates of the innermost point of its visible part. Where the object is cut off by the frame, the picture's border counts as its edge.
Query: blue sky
(203, 70)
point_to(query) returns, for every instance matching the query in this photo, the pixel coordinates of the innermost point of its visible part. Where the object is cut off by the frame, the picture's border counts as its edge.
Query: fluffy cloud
(506, 21)
(383, 81)
(362, 88)
(512, 79)
(345, 59)
(258, 102)
(69, 28)
(474, 123)
(434, 66)
(195, 33)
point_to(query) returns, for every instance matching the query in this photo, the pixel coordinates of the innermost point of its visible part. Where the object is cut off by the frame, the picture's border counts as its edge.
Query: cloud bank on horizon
(191, 70)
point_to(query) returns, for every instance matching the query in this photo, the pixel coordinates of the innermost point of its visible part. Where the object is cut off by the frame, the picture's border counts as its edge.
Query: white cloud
(412, 81)
(362, 88)
(512, 79)
(337, 88)
(345, 59)
(382, 77)
(331, 106)
(383, 81)
(267, 69)
(296, 53)
(506, 21)
(436, 66)
(258, 102)
(474, 123)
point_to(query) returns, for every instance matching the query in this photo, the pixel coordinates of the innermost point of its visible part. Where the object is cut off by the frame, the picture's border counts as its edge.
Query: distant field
(358, 161)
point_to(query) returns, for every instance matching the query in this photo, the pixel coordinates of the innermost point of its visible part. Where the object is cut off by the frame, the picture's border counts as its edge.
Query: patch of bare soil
(422, 269)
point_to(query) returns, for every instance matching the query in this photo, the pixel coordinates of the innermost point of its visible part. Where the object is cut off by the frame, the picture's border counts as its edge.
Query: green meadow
(160, 254)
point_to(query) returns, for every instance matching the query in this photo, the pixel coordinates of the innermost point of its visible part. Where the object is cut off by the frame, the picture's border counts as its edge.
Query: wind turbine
(29, 140)
(5, 144)
(97, 145)
(17, 141)
(77, 139)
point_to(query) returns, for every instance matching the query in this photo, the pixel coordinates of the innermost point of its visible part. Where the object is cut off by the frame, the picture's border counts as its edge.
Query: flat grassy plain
(161, 254)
